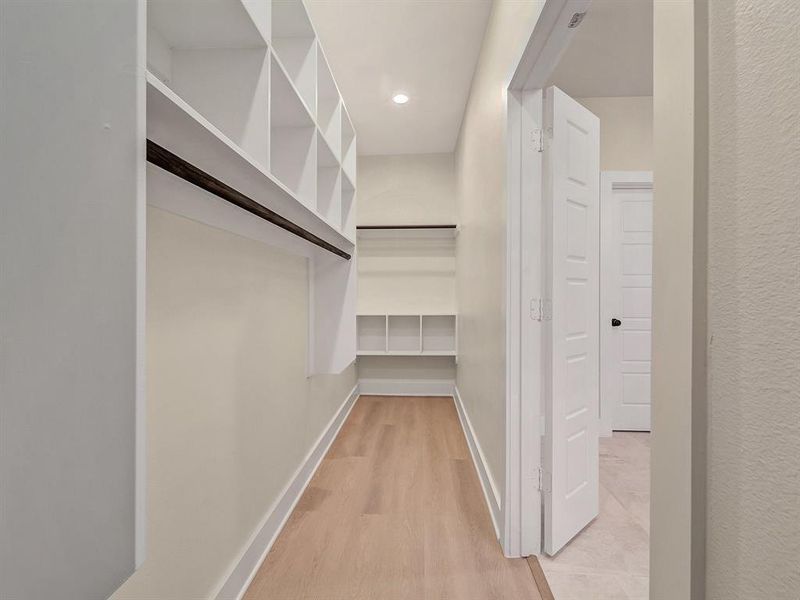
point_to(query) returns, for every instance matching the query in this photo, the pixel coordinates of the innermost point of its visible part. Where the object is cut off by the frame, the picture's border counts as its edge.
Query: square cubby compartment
(293, 139)
(295, 44)
(329, 106)
(348, 202)
(217, 62)
(438, 333)
(329, 184)
(404, 334)
(371, 333)
(348, 146)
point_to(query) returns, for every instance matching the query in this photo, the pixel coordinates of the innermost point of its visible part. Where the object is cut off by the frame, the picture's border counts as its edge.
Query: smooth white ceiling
(611, 53)
(424, 48)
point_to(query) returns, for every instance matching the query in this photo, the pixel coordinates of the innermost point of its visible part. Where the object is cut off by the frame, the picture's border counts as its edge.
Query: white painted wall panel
(71, 242)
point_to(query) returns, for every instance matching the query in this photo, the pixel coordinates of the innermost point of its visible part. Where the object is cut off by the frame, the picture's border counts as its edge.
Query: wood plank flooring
(395, 512)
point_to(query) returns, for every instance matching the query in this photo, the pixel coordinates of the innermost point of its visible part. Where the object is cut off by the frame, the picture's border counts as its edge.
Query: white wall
(71, 221)
(626, 131)
(480, 249)
(428, 368)
(406, 189)
(230, 412)
(397, 274)
(753, 519)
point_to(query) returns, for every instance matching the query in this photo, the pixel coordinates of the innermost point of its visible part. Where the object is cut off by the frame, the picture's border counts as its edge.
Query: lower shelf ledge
(405, 353)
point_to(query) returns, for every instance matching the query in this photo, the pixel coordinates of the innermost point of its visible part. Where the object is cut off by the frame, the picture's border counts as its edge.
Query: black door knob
(616, 322)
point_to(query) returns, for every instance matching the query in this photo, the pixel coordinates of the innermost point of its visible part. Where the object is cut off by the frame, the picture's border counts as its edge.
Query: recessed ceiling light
(400, 98)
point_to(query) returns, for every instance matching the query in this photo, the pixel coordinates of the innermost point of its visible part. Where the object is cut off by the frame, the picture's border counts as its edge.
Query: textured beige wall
(753, 526)
(480, 249)
(406, 189)
(626, 131)
(230, 412)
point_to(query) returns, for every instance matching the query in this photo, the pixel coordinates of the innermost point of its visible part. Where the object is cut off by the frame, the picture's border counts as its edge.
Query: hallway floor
(394, 512)
(609, 560)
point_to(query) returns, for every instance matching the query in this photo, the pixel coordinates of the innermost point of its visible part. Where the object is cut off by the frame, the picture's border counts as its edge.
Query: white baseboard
(244, 569)
(406, 387)
(490, 492)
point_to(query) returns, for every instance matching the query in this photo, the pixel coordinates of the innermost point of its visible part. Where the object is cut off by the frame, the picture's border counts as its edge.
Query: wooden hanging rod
(174, 164)
(406, 227)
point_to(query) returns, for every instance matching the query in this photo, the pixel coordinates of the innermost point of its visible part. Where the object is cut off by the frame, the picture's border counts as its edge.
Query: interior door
(626, 256)
(571, 198)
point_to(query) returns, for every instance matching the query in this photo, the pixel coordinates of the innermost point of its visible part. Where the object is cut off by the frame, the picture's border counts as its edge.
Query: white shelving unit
(407, 335)
(241, 89)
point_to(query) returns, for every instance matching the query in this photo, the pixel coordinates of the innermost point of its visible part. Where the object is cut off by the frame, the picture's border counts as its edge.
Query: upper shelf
(210, 23)
(176, 126)
(249, 79)
(447, 231)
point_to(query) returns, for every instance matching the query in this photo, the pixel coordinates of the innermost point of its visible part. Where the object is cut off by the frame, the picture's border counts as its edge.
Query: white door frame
(522, 529)
(610, 180)
(680, 118)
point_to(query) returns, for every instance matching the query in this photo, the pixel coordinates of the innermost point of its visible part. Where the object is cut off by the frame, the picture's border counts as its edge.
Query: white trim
(490, 491)
(244, 569)
(406, 387)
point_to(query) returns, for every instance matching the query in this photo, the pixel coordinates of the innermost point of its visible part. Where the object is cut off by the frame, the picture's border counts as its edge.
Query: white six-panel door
(626, 233)
(571, 197)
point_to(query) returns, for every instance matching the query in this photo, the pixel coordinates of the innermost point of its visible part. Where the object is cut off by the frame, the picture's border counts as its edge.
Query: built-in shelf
(293, 140)
(242, 104)
(176, 126)
(329, 106)
(329, 183)
(407, 335)
(407, 231)
(294, 41)
(207, 24)
(216, 59)
(348, 146)
(348, 201)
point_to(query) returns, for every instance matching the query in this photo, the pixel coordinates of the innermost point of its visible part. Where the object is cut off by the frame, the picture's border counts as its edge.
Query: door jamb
(522, 529)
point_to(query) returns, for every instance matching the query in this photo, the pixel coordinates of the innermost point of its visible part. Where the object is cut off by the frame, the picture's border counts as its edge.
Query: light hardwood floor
(395, 512)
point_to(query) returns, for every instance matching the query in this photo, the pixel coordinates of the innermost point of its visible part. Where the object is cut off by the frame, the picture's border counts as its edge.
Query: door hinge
(541, 309)
(536, 309)
(544, 481)
(537, 137)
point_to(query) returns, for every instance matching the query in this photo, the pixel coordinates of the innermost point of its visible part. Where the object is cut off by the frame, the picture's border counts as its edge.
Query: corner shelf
(407, 335)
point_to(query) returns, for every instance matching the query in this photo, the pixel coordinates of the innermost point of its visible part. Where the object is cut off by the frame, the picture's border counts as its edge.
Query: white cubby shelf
(241, 90)
(434, 334)
(253, 83)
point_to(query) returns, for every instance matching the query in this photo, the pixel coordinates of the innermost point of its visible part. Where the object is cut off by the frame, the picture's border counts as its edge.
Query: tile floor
(609, 559)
